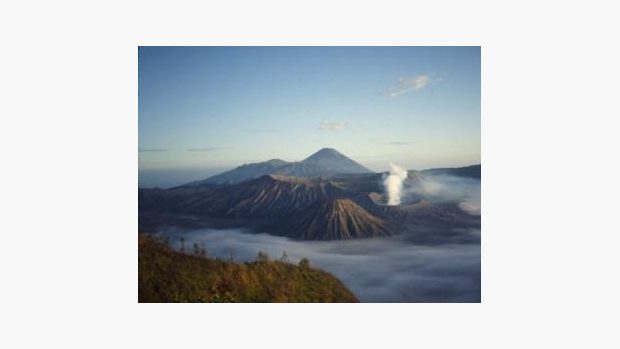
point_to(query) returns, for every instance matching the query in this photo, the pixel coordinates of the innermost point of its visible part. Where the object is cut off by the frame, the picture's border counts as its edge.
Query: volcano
(335, 219)
(323, 163)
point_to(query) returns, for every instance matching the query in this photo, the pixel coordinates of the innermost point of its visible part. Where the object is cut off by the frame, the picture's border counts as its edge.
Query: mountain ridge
(268, 196)
(471, 171)
(242, 173)
(324, 162)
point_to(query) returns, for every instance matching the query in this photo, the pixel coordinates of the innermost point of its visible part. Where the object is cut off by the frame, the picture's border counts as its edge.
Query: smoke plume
(393, 183)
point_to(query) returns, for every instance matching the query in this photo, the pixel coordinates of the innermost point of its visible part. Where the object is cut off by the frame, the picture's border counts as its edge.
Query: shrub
(304, 263)
(262, 257)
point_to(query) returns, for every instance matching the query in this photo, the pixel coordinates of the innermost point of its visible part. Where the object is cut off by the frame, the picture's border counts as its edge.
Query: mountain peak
(276, 162)
(325, 153)
(328, 151)
(331, 161)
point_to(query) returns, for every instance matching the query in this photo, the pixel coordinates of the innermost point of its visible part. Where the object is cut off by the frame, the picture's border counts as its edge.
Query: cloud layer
(376, 270)
(150, 150)
(206, 149)
(408, 84)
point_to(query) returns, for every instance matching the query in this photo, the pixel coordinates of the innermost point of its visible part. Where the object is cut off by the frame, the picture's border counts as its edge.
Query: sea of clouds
(376, 270)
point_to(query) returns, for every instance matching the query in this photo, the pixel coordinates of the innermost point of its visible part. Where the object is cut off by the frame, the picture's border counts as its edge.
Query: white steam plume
(393, 183)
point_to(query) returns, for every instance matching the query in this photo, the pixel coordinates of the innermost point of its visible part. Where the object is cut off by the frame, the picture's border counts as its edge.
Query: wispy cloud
(206, 149)
(408, 84)
(400, 143)
(150, 150)
(332, 125)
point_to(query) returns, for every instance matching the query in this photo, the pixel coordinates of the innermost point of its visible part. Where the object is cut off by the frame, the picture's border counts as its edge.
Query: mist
(375, 270)
(171, 177)
(393, 183)
(444, 188)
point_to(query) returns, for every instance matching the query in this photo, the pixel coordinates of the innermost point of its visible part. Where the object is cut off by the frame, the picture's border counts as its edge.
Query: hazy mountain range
(324, 162)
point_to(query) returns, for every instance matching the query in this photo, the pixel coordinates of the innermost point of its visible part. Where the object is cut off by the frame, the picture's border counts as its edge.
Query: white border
(69, 134)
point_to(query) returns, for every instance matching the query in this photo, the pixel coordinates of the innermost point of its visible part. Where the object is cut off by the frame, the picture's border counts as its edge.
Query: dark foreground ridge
(165, 275)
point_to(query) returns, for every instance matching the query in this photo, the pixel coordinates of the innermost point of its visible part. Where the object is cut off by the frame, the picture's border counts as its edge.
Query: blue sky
(207, 109)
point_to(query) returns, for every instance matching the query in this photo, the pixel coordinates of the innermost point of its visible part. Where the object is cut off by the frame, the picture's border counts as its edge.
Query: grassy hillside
(165, 275)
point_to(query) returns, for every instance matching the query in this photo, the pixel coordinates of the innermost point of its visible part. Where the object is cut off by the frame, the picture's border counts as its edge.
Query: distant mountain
(325, 162)
(334, 219)
(467, 171)
(243, 173)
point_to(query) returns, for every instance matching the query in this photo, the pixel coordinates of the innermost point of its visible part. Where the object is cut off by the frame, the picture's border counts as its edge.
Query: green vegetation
(165, 275)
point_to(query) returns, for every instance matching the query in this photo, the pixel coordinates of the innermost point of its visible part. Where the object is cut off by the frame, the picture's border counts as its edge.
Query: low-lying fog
(376, 270)
(443, 188)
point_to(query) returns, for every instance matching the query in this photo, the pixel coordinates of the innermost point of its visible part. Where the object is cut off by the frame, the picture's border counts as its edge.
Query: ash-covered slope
(269, 196)
(335, 219)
